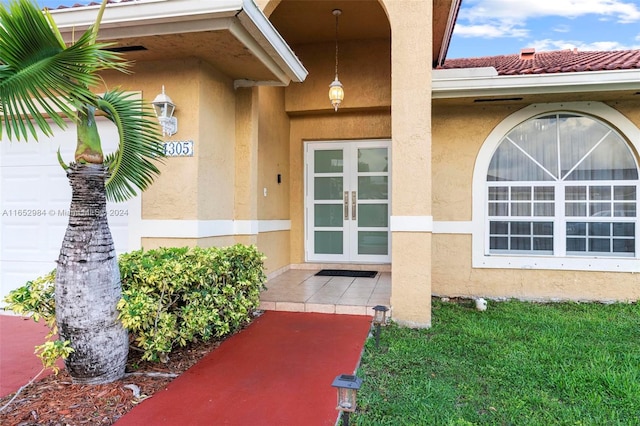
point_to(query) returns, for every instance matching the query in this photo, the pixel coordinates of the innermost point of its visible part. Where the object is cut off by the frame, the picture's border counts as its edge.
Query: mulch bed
(54, 400)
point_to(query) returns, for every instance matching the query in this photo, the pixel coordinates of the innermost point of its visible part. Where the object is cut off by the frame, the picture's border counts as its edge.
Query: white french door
(347, 201)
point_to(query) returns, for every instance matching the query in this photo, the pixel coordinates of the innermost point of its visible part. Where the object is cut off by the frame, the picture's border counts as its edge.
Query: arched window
(562, 184)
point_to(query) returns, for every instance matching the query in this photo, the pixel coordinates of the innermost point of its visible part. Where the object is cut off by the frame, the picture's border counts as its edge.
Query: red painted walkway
(278, 371)
(18, 363)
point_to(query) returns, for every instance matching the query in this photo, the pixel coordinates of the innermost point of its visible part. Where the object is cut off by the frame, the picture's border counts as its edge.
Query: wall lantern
(379, 318)
(336, 93)
(164, 108)
(347, 386)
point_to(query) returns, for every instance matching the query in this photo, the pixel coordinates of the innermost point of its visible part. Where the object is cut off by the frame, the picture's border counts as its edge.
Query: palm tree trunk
(88, 284)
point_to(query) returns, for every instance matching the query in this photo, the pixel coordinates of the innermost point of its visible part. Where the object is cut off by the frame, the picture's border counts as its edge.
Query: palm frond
(132, 167)
(40, 76)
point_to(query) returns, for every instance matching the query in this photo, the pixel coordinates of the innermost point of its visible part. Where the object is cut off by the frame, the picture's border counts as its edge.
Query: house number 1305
(178, 149)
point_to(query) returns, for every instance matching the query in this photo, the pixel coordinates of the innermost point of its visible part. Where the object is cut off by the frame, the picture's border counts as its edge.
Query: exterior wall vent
(528, 53)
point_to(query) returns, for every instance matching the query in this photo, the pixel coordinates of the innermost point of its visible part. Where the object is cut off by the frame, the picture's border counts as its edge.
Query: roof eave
(240, 17)
(271, 41)
(448, 33)
(454, 84)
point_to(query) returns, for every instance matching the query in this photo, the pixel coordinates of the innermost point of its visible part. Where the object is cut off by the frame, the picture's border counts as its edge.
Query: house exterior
(426, 168)
(535, 176)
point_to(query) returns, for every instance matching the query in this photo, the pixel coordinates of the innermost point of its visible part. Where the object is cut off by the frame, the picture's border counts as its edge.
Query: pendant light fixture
(336, 93)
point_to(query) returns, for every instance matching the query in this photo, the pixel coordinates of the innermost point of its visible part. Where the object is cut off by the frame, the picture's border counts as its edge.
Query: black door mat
(347, 273)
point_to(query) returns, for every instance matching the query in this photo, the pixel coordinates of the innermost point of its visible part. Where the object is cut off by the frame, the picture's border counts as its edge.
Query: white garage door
(34, 205)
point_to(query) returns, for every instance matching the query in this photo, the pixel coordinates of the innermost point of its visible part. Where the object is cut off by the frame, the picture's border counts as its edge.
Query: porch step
(318, 308)
(297, 290)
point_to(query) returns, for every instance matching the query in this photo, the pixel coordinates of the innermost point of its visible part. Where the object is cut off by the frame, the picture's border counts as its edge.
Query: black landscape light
(379, 319)
(347, 386)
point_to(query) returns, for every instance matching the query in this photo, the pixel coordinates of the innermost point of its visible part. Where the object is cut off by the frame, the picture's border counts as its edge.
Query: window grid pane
(521, 236)
(602, 201)
(521, 201)
(604, 238)
(520, 189)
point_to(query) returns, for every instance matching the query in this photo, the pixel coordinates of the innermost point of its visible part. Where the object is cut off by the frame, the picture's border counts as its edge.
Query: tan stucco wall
(151, 243)
(630, 109)
(273, 155)
(458, 134)
(273, 160)
(220, 181)
(198, 187)
(241, 139)
(246, 154)
(453, 276)
(364, 69)
(275, 246)
(215, 144)
(411, 58)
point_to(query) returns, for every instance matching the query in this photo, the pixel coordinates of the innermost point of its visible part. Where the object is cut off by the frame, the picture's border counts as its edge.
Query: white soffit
(242, 18)
(470, 82)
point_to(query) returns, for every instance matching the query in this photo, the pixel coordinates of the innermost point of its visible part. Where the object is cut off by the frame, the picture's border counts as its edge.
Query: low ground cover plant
(517, 363)
(170, 297)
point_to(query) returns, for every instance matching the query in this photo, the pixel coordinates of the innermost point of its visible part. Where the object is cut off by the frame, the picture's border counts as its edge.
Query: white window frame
(480, 244)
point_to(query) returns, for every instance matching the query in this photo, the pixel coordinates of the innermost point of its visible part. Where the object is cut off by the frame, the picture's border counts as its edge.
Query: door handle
(346, 205)
(354, 203)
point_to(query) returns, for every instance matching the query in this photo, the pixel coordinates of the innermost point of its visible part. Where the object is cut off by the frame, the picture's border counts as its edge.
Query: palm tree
(44, 82)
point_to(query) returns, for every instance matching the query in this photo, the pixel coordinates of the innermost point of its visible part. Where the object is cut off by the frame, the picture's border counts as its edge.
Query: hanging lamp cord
(336, 15)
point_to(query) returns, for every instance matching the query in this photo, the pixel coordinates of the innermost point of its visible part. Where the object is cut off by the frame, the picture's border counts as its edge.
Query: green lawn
(515, 364)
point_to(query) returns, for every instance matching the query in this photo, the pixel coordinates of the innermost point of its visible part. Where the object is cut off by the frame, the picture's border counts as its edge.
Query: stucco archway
(387, 80)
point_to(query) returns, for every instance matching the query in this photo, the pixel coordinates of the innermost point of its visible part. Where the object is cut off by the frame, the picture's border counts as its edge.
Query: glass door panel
(329, 242)
(328, 188)
(371, 236)
(347, 201)
(328, 220)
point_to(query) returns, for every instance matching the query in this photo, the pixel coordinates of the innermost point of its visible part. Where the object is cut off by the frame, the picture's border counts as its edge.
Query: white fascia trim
(558, 263)
(266, 56)
(152, 17)
(261, 28)
(411, 223)
(208, 228)
(144, 12)
(448, 32)
(452, 227)
(274, 225)
(427, 224)
(455, 84)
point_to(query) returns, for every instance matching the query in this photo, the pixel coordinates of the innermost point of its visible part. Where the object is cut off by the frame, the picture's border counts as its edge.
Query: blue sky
(498, 27)
(501, 27)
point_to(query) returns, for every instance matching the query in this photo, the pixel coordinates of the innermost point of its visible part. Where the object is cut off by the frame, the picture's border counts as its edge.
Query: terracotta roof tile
(93, 3)
(560, 61)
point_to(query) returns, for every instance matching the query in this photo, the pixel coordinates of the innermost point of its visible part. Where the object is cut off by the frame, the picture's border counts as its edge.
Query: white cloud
(549, 44)
(511, 11)
(490, 31)
(549, 25)
(562, 29)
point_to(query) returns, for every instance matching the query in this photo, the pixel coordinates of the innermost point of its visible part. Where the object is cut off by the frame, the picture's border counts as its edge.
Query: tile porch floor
(299, 290)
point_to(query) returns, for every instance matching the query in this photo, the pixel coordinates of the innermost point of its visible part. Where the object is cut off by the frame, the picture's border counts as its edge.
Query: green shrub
(170, 296)
(179, 295)
(36, 298)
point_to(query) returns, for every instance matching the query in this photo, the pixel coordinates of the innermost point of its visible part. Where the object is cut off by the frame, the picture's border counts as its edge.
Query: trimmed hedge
(179, 295)
(170, 296)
